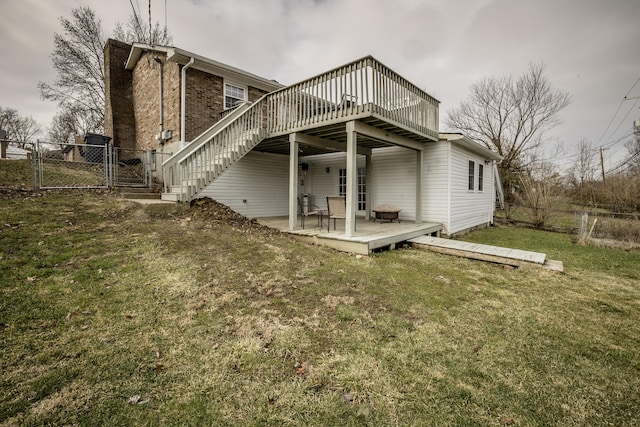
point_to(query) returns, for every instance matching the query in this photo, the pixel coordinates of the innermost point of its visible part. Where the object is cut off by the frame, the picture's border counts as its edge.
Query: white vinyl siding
(394, 180)
(468, 208)
(263, 181)
(435, 188)
(259, 178)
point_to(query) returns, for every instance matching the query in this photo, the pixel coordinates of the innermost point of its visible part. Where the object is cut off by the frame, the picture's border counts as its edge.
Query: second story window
(233, 95)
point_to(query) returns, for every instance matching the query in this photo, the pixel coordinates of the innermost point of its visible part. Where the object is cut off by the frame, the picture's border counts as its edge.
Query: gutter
(183, 100)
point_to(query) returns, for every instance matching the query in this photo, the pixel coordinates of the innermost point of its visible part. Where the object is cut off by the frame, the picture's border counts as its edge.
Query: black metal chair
(303, 215)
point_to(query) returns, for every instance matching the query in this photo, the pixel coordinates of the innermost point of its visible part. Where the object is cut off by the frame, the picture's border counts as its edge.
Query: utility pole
(602, 164)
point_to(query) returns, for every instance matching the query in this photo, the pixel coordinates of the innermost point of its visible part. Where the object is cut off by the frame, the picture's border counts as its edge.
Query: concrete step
(140, 195)
(170, 197)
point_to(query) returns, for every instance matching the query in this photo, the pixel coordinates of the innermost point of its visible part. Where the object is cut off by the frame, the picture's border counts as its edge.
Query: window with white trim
(472, 174)
(480, 176)
(233, 95)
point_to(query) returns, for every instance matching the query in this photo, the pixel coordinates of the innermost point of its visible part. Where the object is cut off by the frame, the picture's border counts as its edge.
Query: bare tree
(135, 30)
(540, 189)
(79, 62)
(21, 129)
(633, 149)
(585, 167)
(582, 174)
(66, 124)
(510, 116)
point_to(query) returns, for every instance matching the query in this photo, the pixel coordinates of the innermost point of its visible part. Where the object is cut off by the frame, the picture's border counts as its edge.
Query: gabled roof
(201, 63)
(470, 144)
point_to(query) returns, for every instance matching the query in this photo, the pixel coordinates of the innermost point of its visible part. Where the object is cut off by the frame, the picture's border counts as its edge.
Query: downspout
(183, 101)
(159, 61)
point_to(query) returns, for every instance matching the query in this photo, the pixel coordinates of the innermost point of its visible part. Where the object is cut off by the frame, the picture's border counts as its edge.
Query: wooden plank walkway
(478, 251)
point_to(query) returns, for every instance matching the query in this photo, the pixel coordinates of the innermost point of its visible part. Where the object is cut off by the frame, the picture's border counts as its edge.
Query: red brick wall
(119, 118)
(132, 111)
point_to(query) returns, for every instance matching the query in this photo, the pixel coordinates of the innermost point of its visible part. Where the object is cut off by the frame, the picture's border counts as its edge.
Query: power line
(135, 14)
(624, 118)
(617, 110)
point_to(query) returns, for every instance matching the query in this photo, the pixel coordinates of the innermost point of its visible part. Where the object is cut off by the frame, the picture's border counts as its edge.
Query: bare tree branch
(510, 116)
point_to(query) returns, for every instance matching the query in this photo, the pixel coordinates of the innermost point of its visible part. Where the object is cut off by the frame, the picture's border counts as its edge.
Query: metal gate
(130, 168)
(90, 166)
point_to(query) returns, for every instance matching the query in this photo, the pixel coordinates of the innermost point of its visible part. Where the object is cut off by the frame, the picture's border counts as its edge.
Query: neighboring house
(360, 130)
(11, 152)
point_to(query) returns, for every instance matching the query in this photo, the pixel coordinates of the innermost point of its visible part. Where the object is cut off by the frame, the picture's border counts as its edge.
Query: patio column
(369, 187)
(419, 178)
(293, 182)
(352, 181)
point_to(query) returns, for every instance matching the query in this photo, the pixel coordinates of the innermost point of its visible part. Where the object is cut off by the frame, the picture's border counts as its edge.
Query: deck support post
(352, 181)
(369, 188)
(419, 178)
(293, 181)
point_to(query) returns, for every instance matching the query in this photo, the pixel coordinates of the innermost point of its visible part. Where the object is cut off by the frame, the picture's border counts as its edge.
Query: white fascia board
(137, 49)
(470, 145)
(223, 70)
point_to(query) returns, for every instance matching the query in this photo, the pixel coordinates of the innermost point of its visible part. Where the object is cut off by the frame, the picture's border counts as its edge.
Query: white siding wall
(394, 179)
(263, 181)
(469, 208)
(435, 194)
(259, 178)
(318, 181)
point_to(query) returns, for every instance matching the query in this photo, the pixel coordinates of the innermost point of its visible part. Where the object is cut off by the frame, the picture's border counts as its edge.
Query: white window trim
(471, 190)
(244, 88)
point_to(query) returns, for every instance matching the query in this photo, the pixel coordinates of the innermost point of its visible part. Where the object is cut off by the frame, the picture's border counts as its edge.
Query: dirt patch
(213, 212)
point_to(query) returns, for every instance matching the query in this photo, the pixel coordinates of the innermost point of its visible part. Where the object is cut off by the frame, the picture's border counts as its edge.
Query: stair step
(135, 195)
(170, 197)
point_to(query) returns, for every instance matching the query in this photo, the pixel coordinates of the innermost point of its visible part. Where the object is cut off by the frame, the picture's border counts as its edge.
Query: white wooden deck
(369, 235)
(497, 254)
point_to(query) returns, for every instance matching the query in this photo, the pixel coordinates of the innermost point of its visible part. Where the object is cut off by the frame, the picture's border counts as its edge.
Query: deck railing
(195, 166)
(359, 89)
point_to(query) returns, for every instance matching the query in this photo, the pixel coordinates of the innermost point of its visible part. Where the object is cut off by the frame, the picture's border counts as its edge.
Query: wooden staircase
(198, 164)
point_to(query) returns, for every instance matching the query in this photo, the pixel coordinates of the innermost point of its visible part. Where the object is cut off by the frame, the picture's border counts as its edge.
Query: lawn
(113, 313)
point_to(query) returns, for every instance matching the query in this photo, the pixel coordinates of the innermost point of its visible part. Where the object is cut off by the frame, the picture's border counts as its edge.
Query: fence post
(35, 148)
(583, 225)
(108, 167)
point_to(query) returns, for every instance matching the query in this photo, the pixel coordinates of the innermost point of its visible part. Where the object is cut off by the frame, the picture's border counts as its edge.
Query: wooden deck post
(369, 188)
(419, 178)
(293, 181)
(352, 181)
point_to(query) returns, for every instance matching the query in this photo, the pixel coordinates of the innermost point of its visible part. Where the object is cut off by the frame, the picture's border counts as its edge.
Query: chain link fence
(89, 165)
(72, 165)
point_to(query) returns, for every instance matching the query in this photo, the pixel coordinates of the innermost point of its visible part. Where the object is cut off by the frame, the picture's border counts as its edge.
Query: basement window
(234, 95)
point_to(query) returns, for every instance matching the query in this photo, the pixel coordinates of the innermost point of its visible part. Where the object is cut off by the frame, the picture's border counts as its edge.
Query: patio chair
(337, 209)
(303, 215)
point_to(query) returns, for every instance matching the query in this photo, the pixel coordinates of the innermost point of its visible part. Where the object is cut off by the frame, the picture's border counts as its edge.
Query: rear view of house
(360, 131)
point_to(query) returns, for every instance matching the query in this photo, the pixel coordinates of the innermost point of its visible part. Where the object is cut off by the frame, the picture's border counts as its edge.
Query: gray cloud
(590, 47)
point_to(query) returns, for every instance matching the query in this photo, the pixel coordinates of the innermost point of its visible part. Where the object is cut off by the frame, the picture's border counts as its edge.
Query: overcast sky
(591, 48)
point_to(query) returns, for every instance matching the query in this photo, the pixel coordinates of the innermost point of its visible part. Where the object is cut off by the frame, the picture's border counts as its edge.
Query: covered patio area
(368, 236)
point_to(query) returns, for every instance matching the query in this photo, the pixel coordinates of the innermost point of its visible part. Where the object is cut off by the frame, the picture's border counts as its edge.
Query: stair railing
(195, 166)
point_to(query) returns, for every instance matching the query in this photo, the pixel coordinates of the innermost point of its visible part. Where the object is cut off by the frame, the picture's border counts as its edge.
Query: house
(360, 130)
(10, 151)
